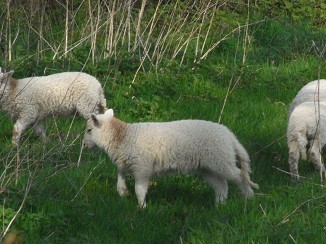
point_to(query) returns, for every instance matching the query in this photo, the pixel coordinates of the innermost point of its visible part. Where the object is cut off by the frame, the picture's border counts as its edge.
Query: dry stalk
(110, 30)
(94, 25)
(140, 17)
(9, 31)
(289, 173)
(128, 25)
(244, 55)
(66, 28)
(79, 42)
(225, 100)
(89, 176)
(246, 39)
(286, 218)
(153, 23)
(40, 46)
(27, 189)
(137, 71)
(70, 126)
(270, 144)
(200, 28)
(215, 44)
(209, 28)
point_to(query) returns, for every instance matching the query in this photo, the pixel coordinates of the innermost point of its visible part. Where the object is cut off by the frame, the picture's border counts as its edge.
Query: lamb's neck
(117, 132)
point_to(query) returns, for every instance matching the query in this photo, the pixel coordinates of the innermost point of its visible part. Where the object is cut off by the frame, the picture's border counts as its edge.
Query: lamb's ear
(109, 113)
(5, 76)
(95, 121)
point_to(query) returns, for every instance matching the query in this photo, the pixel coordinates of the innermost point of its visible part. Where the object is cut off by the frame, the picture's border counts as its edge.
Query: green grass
(69, 204)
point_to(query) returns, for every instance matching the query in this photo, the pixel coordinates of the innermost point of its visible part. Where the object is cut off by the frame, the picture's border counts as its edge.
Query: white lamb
(147, 149)
(30, 100)
(306, 126)
(314, 91)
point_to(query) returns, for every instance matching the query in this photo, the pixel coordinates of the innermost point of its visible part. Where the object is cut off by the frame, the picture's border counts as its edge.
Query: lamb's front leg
(18, 129)
(121, 184)
(141, 186)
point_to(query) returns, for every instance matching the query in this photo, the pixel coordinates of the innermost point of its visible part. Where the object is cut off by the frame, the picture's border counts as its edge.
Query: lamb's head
(95, 128)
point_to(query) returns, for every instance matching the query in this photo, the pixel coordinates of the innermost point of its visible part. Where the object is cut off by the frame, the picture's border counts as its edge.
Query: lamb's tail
(243, 158)
(297, 144)
(101, 106)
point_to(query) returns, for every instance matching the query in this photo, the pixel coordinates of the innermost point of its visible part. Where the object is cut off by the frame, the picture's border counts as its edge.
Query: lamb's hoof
(249, 194)
(220, 200)
(295, 178)
(141, 205)
(123, 193)
(45, 140)
(15, 143)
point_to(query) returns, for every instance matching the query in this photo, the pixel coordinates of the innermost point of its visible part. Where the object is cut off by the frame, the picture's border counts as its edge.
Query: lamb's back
(309, 93)
(184, 142)
(57, 93)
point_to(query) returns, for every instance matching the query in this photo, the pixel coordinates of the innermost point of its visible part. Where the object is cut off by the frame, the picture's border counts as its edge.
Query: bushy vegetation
(235, 62)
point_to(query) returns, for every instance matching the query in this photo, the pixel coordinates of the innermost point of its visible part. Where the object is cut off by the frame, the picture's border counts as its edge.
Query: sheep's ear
(109, 113)
(95, 121)
(5, 76)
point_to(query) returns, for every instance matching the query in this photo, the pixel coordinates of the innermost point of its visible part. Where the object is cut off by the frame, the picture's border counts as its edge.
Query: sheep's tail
(243, 159)
(302, 141)
(297, 144)
(102, 104)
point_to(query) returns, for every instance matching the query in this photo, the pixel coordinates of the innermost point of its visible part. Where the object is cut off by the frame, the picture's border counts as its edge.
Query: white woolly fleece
(309, 93)
(31, 99)
(146, 149)
(306, 126)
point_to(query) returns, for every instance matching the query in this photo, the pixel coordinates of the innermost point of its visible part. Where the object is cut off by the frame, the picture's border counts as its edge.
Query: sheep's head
(94, 128)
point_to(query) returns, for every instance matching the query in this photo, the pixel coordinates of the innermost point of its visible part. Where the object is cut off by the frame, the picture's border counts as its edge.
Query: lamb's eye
(89, 130)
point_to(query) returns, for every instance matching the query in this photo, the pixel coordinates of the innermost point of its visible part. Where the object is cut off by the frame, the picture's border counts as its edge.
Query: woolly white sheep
(314, 91)
(147, 149)
(31, 99)
(306, 126)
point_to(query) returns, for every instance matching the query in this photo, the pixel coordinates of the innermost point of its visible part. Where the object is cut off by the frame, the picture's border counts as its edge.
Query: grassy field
(63, 203)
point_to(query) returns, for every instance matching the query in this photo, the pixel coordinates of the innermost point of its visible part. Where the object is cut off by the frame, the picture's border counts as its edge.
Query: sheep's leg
(121, 184)
(315, 157)
(233, 173)
(294, 155)
(18, 129)
(218, 183)
(141, 186)
(39, 130)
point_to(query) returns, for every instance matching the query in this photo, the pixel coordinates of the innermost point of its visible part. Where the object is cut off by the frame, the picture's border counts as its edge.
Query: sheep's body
(306, 126)
(30, 100)
(314, 91)
(146, 149)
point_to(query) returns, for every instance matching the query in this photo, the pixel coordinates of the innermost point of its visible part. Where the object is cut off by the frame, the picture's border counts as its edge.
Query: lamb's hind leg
(232, 173)
(315, 157)
(141, 186)
(294, 155)
(39, 130)
(218, 183)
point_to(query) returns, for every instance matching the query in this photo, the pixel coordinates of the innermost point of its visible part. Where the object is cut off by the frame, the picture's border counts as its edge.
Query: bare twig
(27, 189)
(90, 174)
